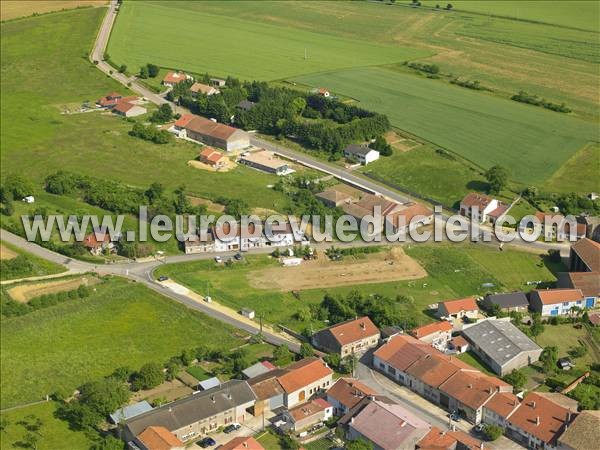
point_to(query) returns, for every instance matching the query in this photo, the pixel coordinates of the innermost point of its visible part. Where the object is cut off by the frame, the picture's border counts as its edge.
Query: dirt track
(390, 265)
(7, 253)
(26, 292)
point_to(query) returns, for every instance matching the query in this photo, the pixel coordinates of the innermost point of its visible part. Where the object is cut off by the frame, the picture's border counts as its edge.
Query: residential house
(212, 157)
(173, 78)
(323, 92)
(219, 82)
(197, 414)
(361, 153)
(458, 309)
(587, 282)
(199, 244)
(129, 411)
(499, 408)
(233, 236)
(245, 105)
(352, 337)
(308, 414)
(558, 302)
(539, 422)
(109, 101)
(157, 438)
(442, 379)
(438, 334)
(97, 242)
(482, 208)
(385, 424)
(459, 344)
(269, 392)
(199, 88)
(583, 433)
(410, 216)
(338, 195)
(346, 393)
(210, 132)
(556, 226)
(437, 439)
(508, 302)
(585, 256)
(265, 161)
(129, 109)
(304, 379)
(257, 369)
(501, 345)
(241, 443)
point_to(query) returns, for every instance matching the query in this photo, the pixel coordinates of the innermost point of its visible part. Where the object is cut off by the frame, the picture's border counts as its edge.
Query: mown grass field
(454, 271)
(45, 70)
(483, 129)
(55, 432)
(233, 46)
(39, 266)
(572, 13)
(120, 324)
(579, 173)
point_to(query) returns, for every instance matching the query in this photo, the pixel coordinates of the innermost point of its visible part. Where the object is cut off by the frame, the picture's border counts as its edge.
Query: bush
(151, 133)
(427, 68)
(492, 432)
(148, 377)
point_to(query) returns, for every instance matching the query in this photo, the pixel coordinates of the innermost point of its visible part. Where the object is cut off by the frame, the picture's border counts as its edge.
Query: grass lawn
(55, 433)
(319, 444)
(199, 373)
(269, 440)
(473, 360)
(38, 267)
(121, 324)
(586, 164)
(573, 13)
(454, 271)
(234, 46)
(564, 337)
(39, 140)
(481, 128)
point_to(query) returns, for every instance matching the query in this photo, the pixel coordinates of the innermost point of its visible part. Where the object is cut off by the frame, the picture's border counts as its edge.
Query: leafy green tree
(359, 444)
(152, 70)
(108, 443)
(517, 379)
(549, 358)
(122, 68)
(299, 103)
(492, 432)
(104, 396)
(4, 424)
(122, 374)
(497, 178)
(188, 356)
(148, 377)
(163, 114)
(382, 146)
(18, 186)
(180, 201)
(143, 72)
(282, 355)
(306, 350)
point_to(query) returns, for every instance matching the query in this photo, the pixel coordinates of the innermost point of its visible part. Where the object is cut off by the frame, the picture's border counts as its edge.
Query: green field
(38, 140)
(483, 129)
(55, 433)
(581, 14)
(37, 266)
(454, 271)
(233, 46)
(579, 173)
(121, 324)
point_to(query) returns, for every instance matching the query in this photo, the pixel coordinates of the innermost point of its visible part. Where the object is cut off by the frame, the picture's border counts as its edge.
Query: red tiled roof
(184, 120)
(459, 341)
(354, 330)
(401, 351)
(471, 388)
(123, 107)
(409, 213)
(540, 417)
(159, 438)
(242, 443)
(503, 404)
(303, 373)
(205, 126)
(349, 392)
(203, 88)
(594, 318)
(553, 296)
(91, 241)
(431, 328)
(308, 409)
(174, 77)
(588, 282)
(434, 369)
(462, 304)
(475, 199)
(589, 252)
(499, 211)
(437, 439)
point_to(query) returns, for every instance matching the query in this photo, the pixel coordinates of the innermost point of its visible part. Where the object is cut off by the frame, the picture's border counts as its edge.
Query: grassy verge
(28, 265)
(120, 324)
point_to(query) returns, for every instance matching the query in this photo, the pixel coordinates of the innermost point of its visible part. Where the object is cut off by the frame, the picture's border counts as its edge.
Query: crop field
(453, 271)
(38, 140)
(121, 324)
(12, 9)
(586, 164)
(233, 46)
(483, 129)
(27, 291)
(581, 14)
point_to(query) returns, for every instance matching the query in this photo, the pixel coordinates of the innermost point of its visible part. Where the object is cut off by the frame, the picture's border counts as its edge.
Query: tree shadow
(478, 185)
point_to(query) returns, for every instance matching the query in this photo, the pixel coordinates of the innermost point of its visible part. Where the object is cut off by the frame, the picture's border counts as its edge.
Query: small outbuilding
(209, 384)
(248, 313)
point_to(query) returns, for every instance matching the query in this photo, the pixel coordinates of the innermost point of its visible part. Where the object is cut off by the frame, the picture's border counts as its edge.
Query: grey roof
(130, 411)
(510, 300)
(359, 150)
(195, 407)
(246, 105)
(255, 370)
(209, 383)
(499, 339)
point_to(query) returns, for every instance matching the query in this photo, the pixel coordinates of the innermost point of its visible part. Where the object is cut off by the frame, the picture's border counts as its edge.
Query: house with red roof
(199, 88)
(307, 414)
(210, 132)
(459, 308)
(242, 443)
(438, 334)
(353, 337)
(437, 439)
(482, 208)
(212, 157)
(409, 216)
(173, 78)
(123, 106)
(158, 438)
(304, 379)
(346, 393)
(97, 242)
(585, 256)
(558, 302)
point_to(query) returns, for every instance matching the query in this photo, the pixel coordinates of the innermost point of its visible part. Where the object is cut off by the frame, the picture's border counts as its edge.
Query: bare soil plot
(169, 390)
(26, 292)
(11, 9)
(391, 265)
(400, 143)
(7, 253)
(229, 165)
(211, 206)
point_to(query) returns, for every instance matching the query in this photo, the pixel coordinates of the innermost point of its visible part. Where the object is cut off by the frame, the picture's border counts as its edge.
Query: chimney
(352, 420)
(568, 417)
(212, 397)
(537, 420)
(245, 444)
(363, 326)
(533, 404)
(470, 386)
(170, 409)
(481, 445)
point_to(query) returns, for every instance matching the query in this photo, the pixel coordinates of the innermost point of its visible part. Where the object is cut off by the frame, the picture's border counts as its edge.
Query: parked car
(238, 256)
(163, 278)
(479, 428)
(207, 442)
(218, 259)
(454, 416)
(231, 428)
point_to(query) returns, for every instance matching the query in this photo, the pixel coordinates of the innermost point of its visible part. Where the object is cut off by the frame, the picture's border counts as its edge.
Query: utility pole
(305, 53)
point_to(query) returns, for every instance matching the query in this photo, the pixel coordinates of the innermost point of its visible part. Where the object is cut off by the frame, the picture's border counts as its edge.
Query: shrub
(492, 432)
